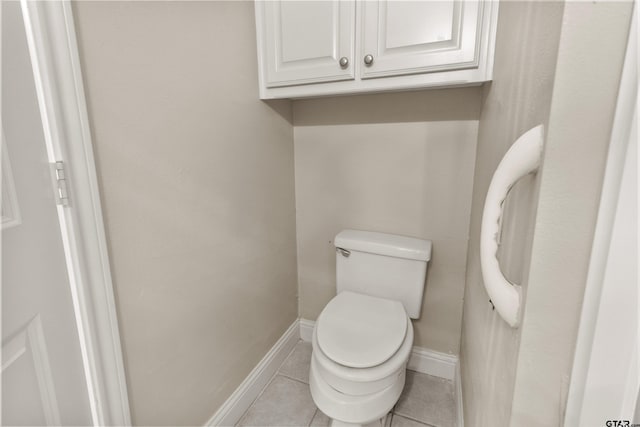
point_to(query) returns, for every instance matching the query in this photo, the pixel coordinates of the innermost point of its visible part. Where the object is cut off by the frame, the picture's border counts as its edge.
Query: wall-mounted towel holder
(521, 159)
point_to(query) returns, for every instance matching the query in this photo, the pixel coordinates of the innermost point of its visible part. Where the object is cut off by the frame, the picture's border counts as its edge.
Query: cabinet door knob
(344, 62)
(368, 59)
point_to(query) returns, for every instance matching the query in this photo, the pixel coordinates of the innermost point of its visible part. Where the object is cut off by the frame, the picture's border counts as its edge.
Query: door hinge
(60, 183)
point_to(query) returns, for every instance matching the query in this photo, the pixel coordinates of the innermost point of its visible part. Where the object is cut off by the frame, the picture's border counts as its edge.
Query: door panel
(411, 37)
(43, 380)
(304, 41)
(412, 24)
(9, 209)
(26, 371)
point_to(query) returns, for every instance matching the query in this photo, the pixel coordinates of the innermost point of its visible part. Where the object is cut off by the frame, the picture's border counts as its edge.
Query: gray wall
(398, 163)
(518, 98)
(196, 176)
(197, 179)
(590, 58)
(550, 69)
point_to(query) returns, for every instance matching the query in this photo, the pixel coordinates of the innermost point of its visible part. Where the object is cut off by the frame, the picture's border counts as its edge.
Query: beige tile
(427, 399)
(296, 366)
(320, 419)
(284, 402)
(400, 421)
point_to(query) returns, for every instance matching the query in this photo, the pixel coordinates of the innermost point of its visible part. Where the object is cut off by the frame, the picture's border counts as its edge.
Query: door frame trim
(59, 86)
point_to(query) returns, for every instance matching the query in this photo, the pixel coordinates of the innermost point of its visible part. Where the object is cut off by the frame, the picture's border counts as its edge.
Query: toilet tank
(383, 265)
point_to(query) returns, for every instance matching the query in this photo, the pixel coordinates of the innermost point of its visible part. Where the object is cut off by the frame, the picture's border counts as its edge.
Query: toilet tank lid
(384, 244)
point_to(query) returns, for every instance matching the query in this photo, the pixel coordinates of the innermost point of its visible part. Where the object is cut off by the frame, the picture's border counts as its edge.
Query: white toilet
(363, 337)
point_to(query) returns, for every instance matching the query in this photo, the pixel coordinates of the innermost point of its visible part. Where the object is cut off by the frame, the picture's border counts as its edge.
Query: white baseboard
(459, 402)
(306, 329)
(422, 360)
(236, 405)
(431, 362)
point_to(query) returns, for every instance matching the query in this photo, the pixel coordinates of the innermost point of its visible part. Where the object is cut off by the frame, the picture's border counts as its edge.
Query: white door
(605, 378)
(43, 380)
(305, 41)
(412, 37)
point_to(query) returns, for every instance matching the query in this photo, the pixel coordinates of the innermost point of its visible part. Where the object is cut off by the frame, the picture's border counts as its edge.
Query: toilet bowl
(346, 410)
(366, 380)
(363, 337)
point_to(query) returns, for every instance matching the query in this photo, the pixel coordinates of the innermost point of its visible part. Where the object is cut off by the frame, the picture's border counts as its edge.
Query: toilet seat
(353, 394)
(361, 381)
(361, 331)
(357, 381)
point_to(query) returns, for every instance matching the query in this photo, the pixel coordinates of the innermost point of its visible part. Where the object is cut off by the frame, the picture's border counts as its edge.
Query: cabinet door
(412, 37)
(304, 41)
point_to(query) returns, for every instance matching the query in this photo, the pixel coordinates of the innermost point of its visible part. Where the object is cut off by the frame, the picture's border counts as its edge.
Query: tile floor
(286, 400)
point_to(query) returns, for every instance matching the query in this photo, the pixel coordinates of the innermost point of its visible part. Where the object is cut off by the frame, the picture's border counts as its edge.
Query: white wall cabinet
(306, 40)
(316, 48)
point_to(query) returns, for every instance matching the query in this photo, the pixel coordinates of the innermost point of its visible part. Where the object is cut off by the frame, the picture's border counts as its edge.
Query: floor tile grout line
(291, 378)
(393, 415)
(257, 397)
(262, 392)
(278, 373)
(393, 411)
(426, 423)
(313, 418)
(265, 388)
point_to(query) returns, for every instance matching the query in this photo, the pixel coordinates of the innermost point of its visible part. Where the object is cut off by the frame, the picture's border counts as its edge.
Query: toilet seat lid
(361, 331)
